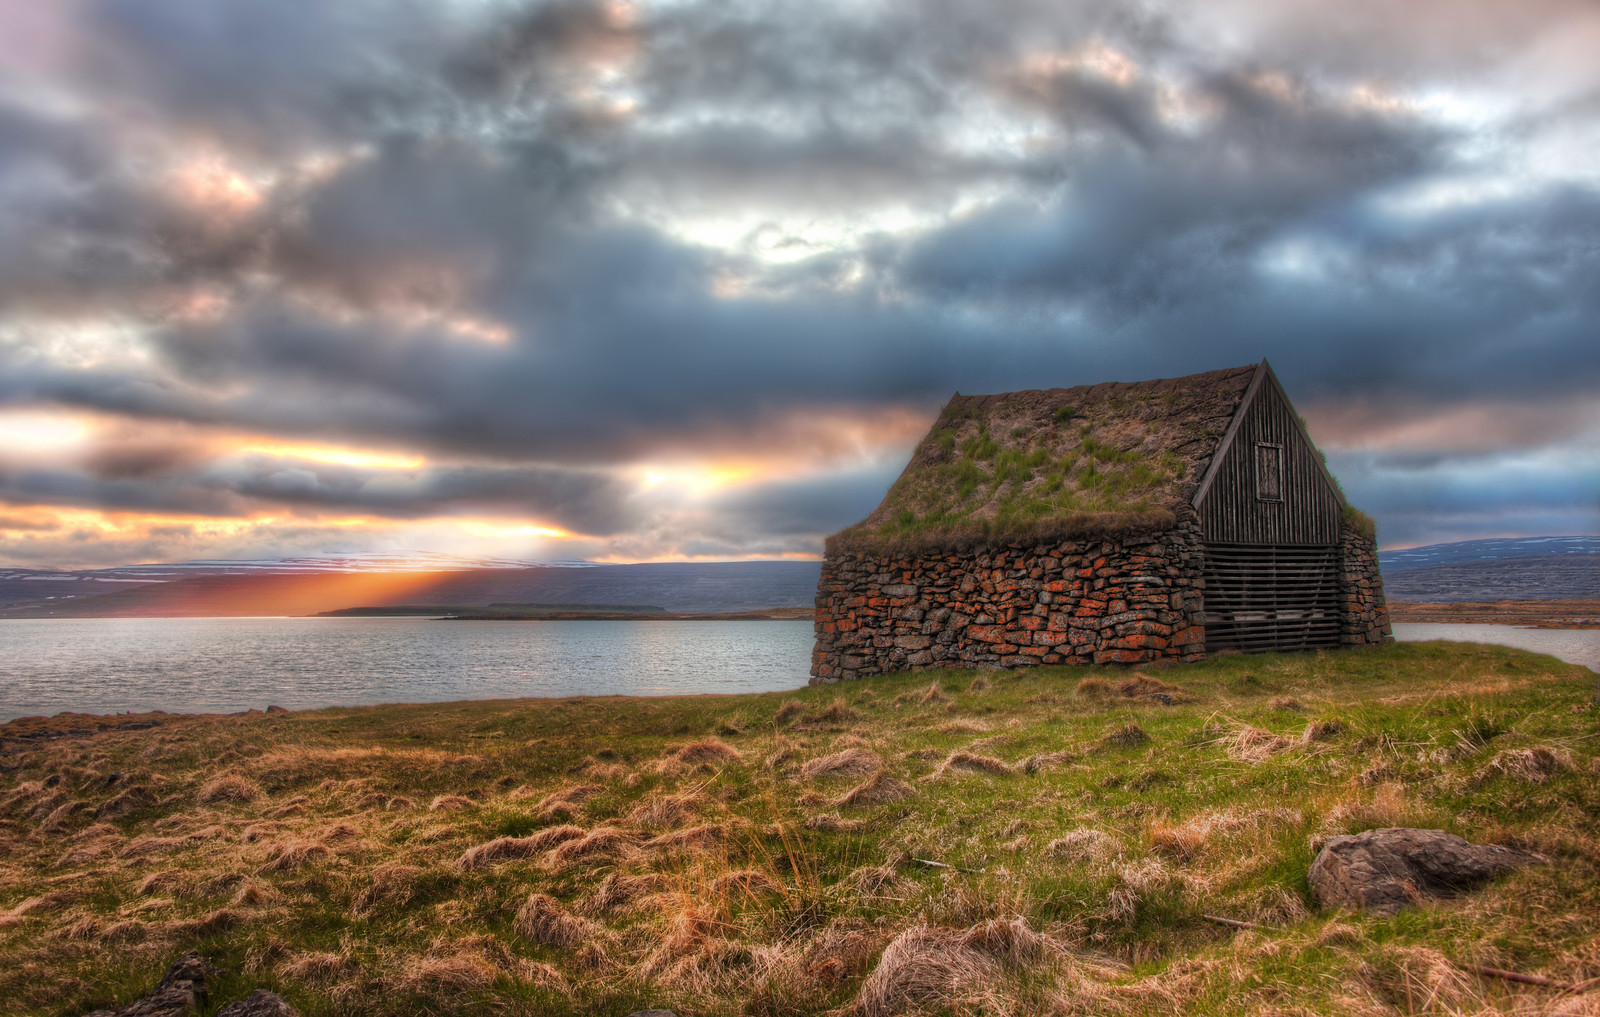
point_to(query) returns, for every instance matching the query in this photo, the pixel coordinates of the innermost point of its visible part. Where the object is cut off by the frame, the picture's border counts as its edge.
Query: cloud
(544, 245)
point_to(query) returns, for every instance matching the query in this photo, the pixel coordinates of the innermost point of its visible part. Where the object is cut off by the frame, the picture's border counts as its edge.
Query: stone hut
(1111, 523)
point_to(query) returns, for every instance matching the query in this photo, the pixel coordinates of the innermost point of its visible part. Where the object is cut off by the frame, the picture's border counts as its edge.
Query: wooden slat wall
(1271, 598)
(1309, 511)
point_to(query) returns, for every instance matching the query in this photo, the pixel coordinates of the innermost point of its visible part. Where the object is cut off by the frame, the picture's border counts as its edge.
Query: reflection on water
(219, 665)
(1575, 646)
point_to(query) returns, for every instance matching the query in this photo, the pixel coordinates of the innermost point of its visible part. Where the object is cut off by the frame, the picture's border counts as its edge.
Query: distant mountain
(1520, 568)
(1524, 568)
(306, 586)
(1484, 550)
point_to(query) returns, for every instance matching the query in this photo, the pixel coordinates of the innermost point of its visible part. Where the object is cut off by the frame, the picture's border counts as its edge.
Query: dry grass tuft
(834, 714)
(699, 838)
(1287, 703)
(785, 751)
(547, 922)
(1426, 980)
(126, 803)
(1184, 840)
(1138, 882)
(970, 762)
(1136, 686)
(881, 881)
(1321, 731)
(22, 909)
(1534, 766)
(659, 811)
(707, 750)
(692, 933)
(1128, 736)
(1082, 845)
(176, 882)
(746, 885)
(255, 893)
(569, 796)
(790, 709)
(827, 822)
(502, 848)
(1042, 761)
(933, 694)
(618, 891)
(962, 727)
(292, 855)
(854, 762)
(879, 789)
(1095, 687)
(228, 788)
(603, 843)
(320, 967)
(927, 967)
(1253, 745)
(841, 951)
(450, 803)
(448, 976)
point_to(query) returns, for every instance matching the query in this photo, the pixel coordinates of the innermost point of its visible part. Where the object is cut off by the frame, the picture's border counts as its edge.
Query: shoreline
(1566, 613)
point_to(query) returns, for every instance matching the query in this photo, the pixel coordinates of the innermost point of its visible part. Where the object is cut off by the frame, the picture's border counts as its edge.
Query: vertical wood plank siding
(1307, 513)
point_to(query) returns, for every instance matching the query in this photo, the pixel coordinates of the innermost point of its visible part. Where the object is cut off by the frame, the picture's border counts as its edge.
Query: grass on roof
(1020, 470)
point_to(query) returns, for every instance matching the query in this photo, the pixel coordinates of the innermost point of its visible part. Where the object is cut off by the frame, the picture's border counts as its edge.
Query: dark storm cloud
(267, 74)
(1157, 198)
(584, 502)
(806, 508)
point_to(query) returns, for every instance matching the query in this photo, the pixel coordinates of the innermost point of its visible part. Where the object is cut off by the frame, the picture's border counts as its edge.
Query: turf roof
(1055, 463)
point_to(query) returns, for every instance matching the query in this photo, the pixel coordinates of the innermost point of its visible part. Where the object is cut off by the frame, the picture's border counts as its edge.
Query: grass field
(767, 854)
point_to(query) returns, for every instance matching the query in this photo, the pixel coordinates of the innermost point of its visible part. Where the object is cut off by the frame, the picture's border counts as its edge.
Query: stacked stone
(1131, 600)
(1363, 612)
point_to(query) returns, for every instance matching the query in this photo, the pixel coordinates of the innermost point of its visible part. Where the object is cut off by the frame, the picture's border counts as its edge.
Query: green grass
(1219, 811)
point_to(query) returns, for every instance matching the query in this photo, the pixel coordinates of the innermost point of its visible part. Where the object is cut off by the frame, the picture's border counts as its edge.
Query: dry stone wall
(1128, 600)
(1363, 612)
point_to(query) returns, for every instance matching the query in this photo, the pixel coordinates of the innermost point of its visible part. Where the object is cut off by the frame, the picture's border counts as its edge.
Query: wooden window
(1269, 471)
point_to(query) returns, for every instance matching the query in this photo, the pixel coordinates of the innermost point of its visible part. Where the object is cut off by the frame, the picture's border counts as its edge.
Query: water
(1575, 646)
(220, 665)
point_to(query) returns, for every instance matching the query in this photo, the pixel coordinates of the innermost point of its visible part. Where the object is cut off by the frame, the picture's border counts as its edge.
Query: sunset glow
(337, 456)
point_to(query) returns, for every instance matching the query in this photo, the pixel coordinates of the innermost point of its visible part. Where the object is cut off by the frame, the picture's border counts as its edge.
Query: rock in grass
(1382, 871)
(260, 1003)
(181, 991)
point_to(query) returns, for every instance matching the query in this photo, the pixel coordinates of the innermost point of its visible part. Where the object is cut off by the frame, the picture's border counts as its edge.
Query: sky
(689, 279)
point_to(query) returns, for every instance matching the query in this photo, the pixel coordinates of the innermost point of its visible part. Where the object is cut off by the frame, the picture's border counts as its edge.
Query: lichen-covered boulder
(260, 1003)
(181, 991)
(184, 988)
(1382, 871)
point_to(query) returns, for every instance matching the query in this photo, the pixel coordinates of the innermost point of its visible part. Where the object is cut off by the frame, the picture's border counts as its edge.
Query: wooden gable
(1267, 484)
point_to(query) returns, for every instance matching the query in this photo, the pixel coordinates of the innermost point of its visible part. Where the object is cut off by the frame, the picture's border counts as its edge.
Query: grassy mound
(1038, 842)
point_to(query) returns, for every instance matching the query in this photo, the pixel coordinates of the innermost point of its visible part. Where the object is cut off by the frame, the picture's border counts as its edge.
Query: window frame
(1277, 447)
